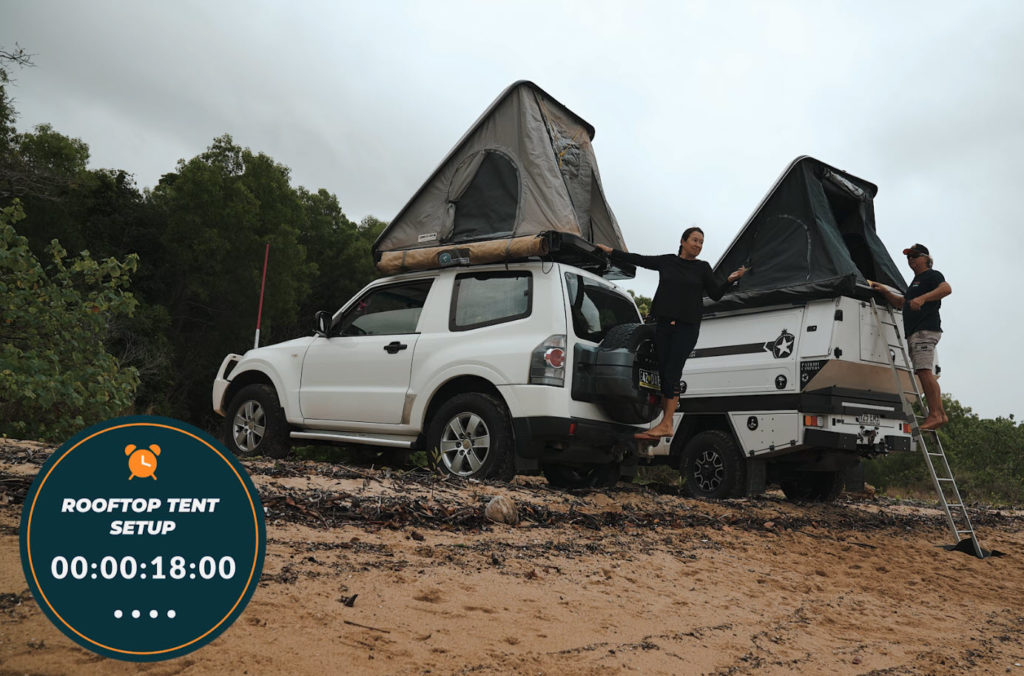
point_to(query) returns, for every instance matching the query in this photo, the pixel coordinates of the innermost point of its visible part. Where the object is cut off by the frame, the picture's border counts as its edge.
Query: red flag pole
(259, 315)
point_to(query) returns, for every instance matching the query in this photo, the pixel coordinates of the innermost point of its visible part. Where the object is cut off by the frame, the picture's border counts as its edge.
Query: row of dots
(138, 613)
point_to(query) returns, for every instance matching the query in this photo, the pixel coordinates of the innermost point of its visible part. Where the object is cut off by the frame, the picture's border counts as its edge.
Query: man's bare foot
(932, 424)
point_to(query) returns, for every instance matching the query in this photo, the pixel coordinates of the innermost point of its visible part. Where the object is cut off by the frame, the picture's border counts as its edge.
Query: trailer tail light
(814, 421)
(906, 428)
(547, 362)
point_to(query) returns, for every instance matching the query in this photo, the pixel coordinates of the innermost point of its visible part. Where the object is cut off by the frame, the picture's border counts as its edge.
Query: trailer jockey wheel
(712, 466)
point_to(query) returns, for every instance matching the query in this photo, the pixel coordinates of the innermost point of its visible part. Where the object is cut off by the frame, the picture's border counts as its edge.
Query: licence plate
(867, 419)
(650, 379)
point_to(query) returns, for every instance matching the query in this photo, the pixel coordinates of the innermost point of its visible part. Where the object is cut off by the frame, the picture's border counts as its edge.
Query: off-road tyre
(628, 336)
(482, 424)
(255, 423)
(712, 466)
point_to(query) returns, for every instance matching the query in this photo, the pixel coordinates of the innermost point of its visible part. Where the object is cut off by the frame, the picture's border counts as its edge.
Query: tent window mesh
(487, 209)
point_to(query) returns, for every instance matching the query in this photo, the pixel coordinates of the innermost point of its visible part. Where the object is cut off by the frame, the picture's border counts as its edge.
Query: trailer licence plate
(867, 419)
(650, 379)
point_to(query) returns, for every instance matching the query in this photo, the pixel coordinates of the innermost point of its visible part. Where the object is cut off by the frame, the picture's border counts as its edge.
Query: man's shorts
(922, 349)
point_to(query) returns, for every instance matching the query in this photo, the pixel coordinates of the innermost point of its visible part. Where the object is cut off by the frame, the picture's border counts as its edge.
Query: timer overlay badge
(148, 561)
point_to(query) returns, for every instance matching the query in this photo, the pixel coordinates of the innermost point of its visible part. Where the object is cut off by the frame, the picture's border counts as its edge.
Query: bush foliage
(56, 375)
(986, 456)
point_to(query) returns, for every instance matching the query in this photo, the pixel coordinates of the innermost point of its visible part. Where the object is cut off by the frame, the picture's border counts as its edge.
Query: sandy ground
(374, 572)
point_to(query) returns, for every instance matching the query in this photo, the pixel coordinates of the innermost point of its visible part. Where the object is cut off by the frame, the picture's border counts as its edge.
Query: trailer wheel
(712, 466)
(813, 486)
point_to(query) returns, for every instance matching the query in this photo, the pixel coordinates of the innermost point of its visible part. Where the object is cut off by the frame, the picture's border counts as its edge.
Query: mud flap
(756, 478)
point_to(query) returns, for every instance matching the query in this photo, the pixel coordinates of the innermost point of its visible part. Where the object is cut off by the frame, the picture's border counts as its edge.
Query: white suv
(475, 364)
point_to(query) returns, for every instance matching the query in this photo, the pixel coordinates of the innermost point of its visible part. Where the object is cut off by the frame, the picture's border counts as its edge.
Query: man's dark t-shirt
(927, 318)
(681, 286)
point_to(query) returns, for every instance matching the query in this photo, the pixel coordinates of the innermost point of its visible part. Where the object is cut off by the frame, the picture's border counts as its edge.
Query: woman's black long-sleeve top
(681, 286)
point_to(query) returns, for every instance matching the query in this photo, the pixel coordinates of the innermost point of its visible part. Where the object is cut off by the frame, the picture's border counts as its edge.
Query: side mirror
(322, 320)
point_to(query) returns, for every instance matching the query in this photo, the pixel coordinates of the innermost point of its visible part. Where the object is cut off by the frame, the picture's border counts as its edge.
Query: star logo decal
(783, 345)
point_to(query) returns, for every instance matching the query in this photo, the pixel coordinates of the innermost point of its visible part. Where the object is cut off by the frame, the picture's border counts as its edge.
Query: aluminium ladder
(936, 461)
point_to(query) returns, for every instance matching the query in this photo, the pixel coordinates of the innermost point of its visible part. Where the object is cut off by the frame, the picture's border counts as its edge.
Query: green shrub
(56, 375)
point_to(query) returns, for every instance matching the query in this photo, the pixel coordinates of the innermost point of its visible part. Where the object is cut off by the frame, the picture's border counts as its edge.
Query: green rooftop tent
(521, 180)
(813, 236)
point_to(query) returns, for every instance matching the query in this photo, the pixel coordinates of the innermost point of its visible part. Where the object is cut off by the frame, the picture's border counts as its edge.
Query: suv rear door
(360, 372)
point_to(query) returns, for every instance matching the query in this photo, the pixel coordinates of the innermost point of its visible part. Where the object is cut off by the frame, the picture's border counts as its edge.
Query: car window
(596, 307)
(387, 310)
(487, 298)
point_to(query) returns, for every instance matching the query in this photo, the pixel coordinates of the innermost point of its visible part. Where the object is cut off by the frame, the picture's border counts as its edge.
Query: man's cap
(917, 249)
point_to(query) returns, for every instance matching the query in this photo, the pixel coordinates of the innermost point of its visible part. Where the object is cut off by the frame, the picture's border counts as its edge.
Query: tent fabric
(526, 166)
(813, 236)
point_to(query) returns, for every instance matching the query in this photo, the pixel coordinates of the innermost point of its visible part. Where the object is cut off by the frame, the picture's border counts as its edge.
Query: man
(922, 326)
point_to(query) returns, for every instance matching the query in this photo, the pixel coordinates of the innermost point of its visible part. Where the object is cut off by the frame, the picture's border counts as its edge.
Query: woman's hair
(686, 236)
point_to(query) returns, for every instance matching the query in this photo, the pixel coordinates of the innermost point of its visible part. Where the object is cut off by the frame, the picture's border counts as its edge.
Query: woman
(682, 282)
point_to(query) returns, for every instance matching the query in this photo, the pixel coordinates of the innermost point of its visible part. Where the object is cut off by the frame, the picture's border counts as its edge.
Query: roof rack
(565, 247)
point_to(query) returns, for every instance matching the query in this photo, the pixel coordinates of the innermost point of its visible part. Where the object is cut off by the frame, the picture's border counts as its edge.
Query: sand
(371, 571)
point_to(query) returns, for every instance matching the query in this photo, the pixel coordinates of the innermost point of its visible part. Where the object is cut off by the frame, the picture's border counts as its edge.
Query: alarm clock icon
(142, 461)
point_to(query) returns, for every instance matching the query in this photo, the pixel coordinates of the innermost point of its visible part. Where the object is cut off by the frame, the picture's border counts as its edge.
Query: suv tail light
(547, 362)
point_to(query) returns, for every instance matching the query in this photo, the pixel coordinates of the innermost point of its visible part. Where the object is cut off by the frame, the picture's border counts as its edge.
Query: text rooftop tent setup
(522, 182)
(813, 236)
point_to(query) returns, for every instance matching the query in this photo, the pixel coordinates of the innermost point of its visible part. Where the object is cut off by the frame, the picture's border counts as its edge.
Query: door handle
(394, 346)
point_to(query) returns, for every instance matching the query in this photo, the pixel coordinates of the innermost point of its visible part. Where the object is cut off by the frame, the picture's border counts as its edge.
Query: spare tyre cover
(609, 374)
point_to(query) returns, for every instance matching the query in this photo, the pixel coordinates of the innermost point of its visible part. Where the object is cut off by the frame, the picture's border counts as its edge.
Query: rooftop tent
(812, 236)
(523, 172)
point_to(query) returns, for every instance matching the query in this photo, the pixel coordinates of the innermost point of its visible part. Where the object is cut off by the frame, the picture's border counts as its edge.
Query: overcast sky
(698, 107)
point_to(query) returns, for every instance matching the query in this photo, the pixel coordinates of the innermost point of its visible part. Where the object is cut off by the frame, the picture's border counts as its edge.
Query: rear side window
(488, 298)
(596, 307)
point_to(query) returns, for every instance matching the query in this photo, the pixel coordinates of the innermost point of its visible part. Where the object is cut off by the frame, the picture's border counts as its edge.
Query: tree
(643, 303)
(985, 454)
(340, 250)
(217, 213)
(56, 374)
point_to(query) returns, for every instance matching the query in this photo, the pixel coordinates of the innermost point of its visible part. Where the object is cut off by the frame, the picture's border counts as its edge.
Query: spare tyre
(616, 374)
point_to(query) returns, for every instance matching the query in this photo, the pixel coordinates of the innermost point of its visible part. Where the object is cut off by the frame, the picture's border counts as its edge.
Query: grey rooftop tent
(522, 181)
(813, 236)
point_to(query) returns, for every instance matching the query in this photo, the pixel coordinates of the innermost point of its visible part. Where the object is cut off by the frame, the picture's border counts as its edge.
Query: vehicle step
(355, 438)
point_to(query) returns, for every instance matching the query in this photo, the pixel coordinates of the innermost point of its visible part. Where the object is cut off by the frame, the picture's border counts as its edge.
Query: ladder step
(959, 532)
(942, 479)
(954, 505)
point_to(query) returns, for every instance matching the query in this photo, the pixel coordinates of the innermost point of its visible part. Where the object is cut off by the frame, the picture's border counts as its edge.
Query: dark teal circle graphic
(142, 538)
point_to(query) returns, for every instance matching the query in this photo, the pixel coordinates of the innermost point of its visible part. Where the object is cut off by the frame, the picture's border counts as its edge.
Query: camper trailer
(792, 380)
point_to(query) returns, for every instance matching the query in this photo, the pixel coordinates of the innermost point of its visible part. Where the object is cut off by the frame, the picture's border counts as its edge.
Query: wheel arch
(457, 385)
(246, 378)
(693, 424)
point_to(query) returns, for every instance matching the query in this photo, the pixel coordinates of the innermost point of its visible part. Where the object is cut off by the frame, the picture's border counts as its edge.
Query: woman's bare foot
(654, 433)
